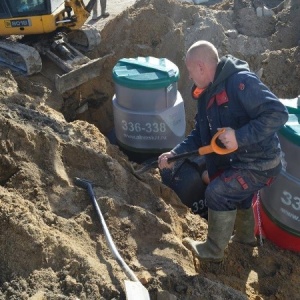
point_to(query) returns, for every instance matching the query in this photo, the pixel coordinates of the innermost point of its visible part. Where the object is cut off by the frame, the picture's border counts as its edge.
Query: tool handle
(205, 150)
(86, 184)
(182, 155)
(213, 147)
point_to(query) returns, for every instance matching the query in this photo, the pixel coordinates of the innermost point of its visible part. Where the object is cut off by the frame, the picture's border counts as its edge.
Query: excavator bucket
(80, 75)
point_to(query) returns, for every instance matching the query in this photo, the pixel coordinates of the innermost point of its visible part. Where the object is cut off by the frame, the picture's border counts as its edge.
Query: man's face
(196, 71)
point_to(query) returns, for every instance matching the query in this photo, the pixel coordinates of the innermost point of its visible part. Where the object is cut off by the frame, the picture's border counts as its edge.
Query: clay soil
(52, 245)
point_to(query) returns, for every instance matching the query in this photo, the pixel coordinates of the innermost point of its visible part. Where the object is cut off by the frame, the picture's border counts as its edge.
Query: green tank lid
(146, 73)
(291, 129)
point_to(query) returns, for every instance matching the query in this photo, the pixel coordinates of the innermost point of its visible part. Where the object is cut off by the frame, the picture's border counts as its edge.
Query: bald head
(202, 59)
(203, 50)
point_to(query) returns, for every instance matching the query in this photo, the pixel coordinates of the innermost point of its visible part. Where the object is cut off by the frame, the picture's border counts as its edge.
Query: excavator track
(78, 67)
(19, 57)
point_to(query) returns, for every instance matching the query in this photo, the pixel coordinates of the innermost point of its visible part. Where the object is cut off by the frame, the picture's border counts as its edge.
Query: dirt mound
(52, 244)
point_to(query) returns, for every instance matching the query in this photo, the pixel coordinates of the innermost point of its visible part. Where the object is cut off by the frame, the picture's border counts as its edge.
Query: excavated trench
(268, 43)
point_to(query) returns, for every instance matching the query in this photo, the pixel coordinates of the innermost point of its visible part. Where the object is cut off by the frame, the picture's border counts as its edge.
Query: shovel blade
(136, 291)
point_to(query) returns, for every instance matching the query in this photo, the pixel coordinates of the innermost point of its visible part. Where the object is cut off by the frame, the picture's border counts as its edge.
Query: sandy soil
(52, 245)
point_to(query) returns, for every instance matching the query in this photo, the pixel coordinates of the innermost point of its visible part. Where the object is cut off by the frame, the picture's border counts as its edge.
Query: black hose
(83, 183)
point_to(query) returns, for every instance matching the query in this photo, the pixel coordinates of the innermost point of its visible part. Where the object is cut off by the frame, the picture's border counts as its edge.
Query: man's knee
(215, 196)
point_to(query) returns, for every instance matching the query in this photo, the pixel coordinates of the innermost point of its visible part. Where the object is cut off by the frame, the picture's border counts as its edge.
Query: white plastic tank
(281, 201)
(148, 109)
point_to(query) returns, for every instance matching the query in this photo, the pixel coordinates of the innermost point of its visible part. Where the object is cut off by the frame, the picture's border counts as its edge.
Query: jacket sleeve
(192, 141)
(264, 110)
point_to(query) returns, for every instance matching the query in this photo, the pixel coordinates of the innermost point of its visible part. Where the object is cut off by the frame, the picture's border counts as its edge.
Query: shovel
(134, 288)
(213, 147)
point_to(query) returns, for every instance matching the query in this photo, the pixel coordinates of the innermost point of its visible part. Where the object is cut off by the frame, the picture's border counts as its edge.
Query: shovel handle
(154, 164)
(213, 147)
(86, 184)
(182, 155)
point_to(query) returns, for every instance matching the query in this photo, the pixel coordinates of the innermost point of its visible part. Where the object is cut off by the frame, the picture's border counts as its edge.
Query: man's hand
(228, 138)
(163, 161)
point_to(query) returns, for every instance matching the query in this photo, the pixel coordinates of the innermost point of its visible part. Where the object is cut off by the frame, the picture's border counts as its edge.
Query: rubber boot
(220, 228)
(244, 227)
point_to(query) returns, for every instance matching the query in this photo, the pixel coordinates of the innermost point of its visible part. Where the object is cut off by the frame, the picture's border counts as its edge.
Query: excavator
(56, 29)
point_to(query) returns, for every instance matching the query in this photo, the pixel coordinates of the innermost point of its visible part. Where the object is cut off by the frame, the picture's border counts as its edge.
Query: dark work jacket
(238, 99)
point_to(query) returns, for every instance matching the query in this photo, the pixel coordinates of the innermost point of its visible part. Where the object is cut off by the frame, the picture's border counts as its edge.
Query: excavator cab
(28, 7)
(52, 28)
(21, 8)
